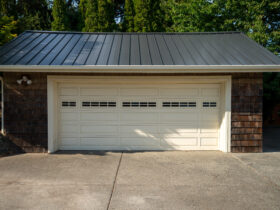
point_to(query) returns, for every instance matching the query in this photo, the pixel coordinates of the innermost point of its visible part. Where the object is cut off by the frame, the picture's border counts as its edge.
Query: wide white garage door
(138, 117)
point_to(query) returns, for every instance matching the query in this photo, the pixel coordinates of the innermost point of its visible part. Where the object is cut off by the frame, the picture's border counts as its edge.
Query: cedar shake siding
(25, 111)
(247, 110)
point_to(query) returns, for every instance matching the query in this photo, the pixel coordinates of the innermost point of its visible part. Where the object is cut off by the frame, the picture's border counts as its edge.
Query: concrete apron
(140, 180)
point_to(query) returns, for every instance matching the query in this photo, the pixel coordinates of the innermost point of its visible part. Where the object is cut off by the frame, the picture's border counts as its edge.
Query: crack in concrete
(114, 183)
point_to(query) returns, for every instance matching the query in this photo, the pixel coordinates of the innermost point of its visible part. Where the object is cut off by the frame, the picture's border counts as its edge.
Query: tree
(33, 14)
(141, 20)
(156, 16)
(7, 25)
(8, 8)
(98, 15)
(29, 14)
(129, 13)
(190, 16)
(82, 13)
(106, 20)
(148, 16)
(258, 19)
(60, 19)
(91, 16)
(74, 15)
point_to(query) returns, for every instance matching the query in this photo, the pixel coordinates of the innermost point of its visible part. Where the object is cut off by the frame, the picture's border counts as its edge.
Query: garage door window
(209, 104)
(139, 104)
(99, 104)
(178, 104)
(68, 103)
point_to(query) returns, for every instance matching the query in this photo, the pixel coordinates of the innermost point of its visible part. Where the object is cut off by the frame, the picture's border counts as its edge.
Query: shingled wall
(247, 112)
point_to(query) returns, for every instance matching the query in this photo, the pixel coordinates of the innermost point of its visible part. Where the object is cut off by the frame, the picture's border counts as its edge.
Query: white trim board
(52, 88)
(141, 68)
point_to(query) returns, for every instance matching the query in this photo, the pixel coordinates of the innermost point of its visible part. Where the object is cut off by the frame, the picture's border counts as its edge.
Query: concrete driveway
(141, 180)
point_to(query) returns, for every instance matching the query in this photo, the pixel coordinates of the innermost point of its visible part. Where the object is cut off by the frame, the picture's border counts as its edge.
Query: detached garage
(134, 91)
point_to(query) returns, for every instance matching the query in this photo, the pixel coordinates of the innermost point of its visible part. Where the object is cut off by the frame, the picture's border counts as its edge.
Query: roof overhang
(141, 68)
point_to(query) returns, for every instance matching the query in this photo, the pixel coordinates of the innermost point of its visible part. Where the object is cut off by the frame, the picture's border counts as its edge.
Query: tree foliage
(98, 15)
(91, 16)
(60, 19)
(260, 20)
(106, 20)
(129, 13)
(8, 8)
(28, 14)
(7, 25)
(148, 16)
(82, 8)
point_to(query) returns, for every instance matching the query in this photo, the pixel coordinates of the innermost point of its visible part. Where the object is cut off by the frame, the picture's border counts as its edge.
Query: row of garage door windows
(136, 104)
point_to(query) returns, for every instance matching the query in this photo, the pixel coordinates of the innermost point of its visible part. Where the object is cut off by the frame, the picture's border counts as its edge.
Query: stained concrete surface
(140, 180)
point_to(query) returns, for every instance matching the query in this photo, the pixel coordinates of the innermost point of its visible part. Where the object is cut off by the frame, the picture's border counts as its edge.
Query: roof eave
(140, 68)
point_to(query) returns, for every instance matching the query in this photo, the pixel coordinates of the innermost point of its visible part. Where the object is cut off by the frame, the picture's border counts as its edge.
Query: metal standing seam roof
(161, 49)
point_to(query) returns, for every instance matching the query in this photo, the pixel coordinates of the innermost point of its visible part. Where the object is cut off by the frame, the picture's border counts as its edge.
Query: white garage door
(135, 117)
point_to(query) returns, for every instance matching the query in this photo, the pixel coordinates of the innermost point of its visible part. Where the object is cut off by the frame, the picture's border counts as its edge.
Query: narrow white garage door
(135, 117)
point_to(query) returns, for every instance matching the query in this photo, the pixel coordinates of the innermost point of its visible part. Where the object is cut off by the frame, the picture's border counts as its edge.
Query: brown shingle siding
(26, 111)
(247, 105)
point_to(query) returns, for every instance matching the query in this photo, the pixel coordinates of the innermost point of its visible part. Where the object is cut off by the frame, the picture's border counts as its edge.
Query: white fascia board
(141, 68)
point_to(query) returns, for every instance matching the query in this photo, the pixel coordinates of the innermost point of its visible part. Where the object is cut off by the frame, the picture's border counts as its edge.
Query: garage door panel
(99, 92)
(209, 127)
(205, 141)
(210, 92)
(144, 141)
(178, 129)
(133, 92)
(99, 116)
(138, 129)
(99, 135)
(100, 141)
(209, 130)
(99, 129)
(139, 117)
(70, 128)
(211, 135)
(183, 92)
(69, 91)
(69, 116)
(69, 135)
(179, 141)
(70, 141)
(210, 116)
(140, 135)
(178, 135)
(178, 117)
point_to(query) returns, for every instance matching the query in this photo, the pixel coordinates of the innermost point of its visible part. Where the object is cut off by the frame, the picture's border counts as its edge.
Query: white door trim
(52, 89)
